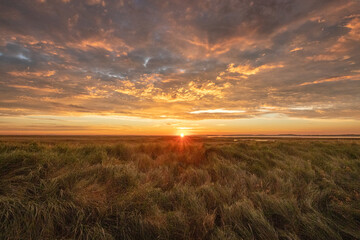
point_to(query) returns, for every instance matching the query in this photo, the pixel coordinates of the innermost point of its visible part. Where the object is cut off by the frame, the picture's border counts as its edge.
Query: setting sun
(182, 135)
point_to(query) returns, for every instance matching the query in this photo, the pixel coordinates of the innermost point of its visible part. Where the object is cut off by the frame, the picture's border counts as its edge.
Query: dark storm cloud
(153, 58)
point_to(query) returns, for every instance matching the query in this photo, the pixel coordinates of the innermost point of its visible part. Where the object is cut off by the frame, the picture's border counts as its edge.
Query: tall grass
(171, 190)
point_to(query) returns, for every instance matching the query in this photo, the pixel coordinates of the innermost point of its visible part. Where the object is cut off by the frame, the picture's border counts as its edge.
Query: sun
(182, 135)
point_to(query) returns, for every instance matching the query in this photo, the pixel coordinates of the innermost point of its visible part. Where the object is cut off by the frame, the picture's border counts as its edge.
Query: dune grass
(297, 189)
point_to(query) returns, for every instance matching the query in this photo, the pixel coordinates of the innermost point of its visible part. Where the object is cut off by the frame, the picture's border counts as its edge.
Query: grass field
(168, 188)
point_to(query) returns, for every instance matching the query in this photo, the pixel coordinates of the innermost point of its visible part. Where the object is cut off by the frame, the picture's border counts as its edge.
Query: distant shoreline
(246, 136)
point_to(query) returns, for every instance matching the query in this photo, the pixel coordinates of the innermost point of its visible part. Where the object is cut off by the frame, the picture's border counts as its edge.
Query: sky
(166, 67)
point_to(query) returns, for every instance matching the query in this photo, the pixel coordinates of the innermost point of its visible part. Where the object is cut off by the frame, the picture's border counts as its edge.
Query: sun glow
(182, 135)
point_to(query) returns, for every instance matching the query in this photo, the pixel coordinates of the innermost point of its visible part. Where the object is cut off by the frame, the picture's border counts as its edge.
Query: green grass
(165, 189)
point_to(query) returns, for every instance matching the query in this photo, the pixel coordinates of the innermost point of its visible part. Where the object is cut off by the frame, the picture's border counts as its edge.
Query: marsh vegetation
(179, 189)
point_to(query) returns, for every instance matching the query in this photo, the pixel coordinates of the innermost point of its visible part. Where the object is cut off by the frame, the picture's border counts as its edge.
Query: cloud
(296, 49)
(223, 111)
(148, 59)
(323, 57)
(248, 70)
(47, 90)
(354, 26)
(32, 74)
(333, 79)
(22, 57)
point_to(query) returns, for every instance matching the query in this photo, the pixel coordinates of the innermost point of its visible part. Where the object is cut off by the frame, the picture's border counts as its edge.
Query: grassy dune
(172, 189)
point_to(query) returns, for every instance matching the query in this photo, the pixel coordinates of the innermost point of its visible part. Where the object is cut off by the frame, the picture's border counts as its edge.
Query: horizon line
(188, 135)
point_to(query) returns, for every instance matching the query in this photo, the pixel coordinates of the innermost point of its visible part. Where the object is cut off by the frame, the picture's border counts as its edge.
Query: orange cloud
(110, 44)
(354, 26)
(333, 79)
(220, 110)
(33, 74)
(189, 92)
(45, 89)
(326, 57)
(296, 49)
(246, 70)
